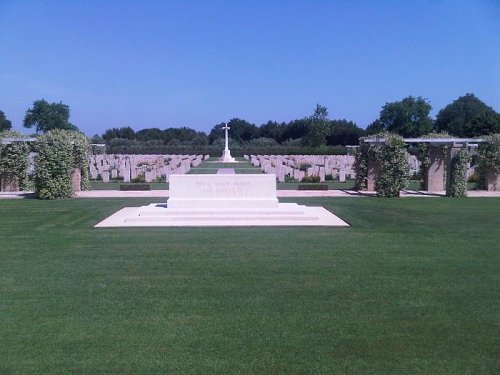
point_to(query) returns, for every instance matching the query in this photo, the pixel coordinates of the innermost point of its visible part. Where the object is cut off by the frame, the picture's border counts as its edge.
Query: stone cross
(226, 155)
(226, 128)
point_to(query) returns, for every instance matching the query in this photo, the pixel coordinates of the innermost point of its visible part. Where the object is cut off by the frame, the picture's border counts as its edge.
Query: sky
(193, 63)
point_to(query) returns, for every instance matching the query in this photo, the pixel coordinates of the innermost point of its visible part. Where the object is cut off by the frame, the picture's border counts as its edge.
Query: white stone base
(158, 215)
(227, 158)
(222, 200)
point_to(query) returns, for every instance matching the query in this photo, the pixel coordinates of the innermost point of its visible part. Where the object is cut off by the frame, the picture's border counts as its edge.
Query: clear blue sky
(189, 63)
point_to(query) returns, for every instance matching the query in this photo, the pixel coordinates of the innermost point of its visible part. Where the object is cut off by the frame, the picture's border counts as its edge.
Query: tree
(45, 116)
(468, 117)
(149, 134)
(374, 128)
(263, 142)
(182, 135)
(241, 131)
(318, 128)
(343, 132)
(295, 129)
(125, 132)
(216, 133)
(273, 130)
(5, 124)
(408, 117)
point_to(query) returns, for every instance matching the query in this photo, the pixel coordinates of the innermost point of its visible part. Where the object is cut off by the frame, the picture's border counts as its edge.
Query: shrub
(361, 166)
(139, 179)
(392, 158)
(489, 156)
(59, 153)
(457, 186)
(312, 187)
(475, 177)
(14, 158)
(135, 187)
(312, 179)
(303, 167)
(489, 152)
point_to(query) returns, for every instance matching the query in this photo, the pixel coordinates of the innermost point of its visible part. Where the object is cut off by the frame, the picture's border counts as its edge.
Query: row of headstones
(129, 167)
(337, 166)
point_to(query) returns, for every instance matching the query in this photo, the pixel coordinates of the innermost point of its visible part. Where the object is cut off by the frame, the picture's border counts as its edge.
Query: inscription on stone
(221, 190)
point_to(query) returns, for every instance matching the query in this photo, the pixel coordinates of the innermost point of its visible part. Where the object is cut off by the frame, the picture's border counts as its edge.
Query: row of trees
(43, 116)
(465, 117)
(314, 131)
(410, 117)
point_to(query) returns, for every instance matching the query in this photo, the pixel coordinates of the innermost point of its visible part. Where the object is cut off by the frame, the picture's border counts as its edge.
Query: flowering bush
(457, 183)
(489, 158)
(392, 158)
(59, 153)
(14, 158)
(489, 152)
(361, 166)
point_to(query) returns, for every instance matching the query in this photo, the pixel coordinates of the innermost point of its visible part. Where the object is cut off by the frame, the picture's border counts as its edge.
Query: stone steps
(286, 214)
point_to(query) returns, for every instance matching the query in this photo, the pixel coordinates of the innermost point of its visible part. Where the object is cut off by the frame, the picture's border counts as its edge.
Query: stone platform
(222, 200)
(284, 214)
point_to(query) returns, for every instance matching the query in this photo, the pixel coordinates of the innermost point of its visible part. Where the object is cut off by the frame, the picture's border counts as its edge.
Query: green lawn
(412, 287)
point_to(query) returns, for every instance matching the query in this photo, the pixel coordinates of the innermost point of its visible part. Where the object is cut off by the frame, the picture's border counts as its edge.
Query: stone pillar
(373, 172)
(434, 180)
(492, 180)
(76, 179)
(9, 182)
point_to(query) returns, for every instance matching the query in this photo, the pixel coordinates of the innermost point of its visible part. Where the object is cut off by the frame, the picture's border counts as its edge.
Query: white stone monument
(226, 155)
(215, 200)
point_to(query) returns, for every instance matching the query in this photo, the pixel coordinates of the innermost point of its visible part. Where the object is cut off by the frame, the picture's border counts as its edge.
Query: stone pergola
(9, 183)
(440, 160)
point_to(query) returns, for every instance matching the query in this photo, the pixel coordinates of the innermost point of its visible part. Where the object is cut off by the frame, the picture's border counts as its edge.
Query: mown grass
(412, 287)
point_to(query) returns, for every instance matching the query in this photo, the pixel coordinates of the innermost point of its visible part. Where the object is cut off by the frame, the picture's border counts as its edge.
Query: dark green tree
(5, 124)
(97, 139)
(184, 135)
(45, 116)
(216, 133)
(408, 117)
(374, 128)
(295, 129)
(200, 139)
(343, 132)
(468, 117)
(125, 132)
(274, 130)
(318, 128)
(241, 131)
(149, 134)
